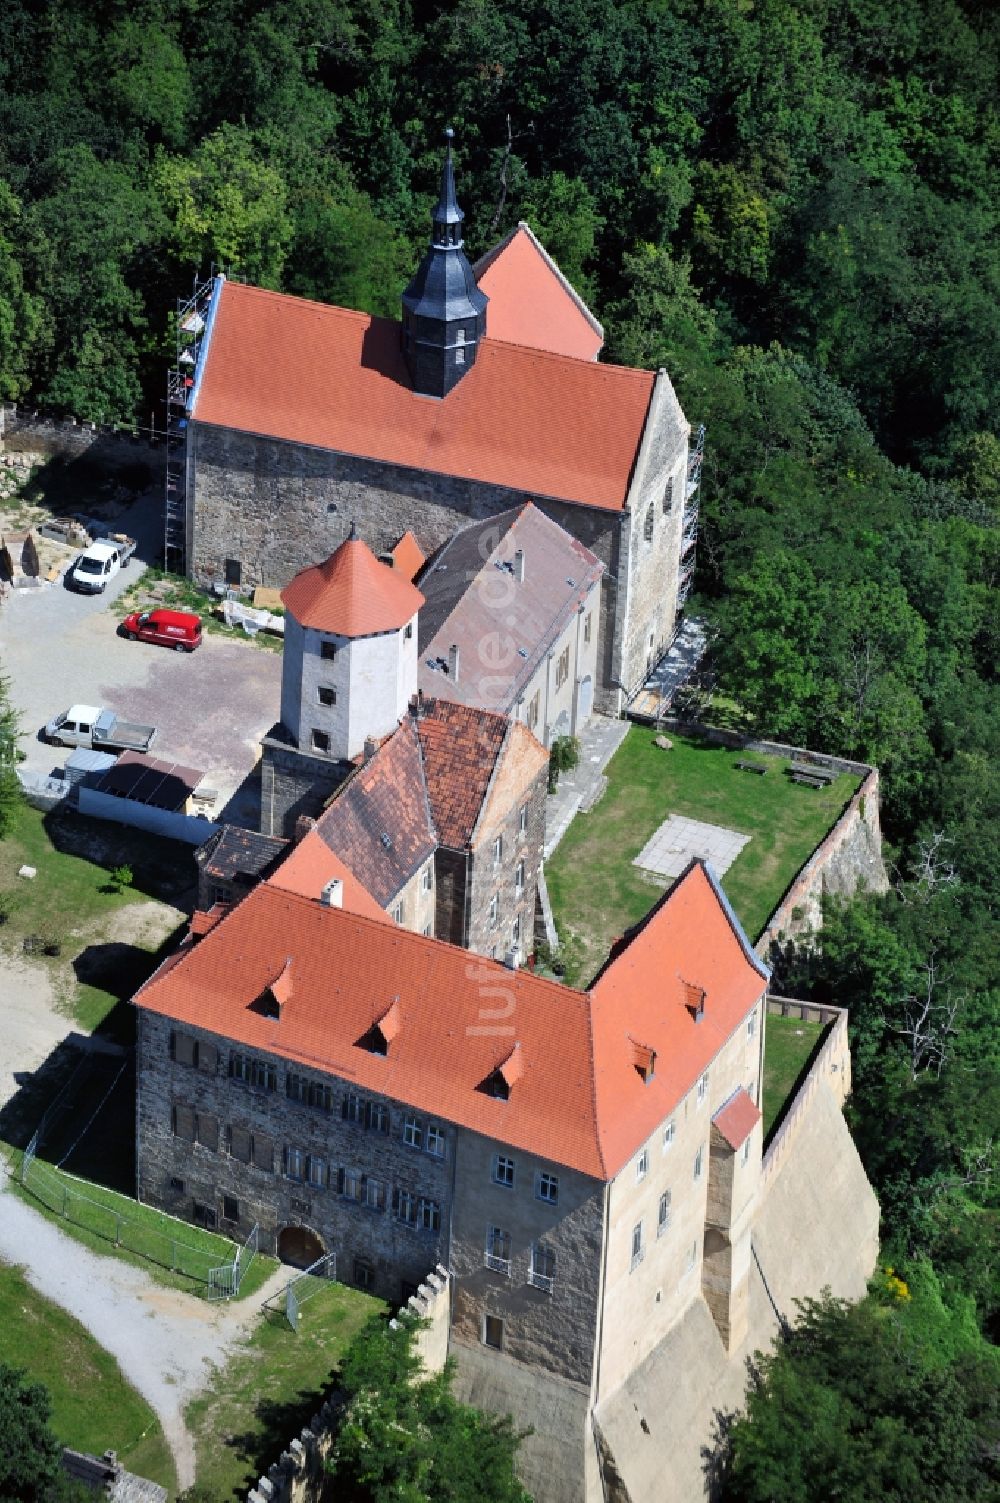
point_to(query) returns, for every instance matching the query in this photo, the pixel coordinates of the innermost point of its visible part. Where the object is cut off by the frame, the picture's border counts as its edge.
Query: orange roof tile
(309, 373)
(408, 556)
(737, 1118)
(311, 865)
(352, 594)
(460, 746)
(575, 1098)
(532, 303)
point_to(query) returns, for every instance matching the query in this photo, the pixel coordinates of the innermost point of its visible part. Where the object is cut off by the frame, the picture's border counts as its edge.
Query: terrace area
(597, 889)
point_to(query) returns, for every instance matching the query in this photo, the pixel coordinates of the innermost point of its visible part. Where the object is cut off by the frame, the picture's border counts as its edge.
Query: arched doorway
(299, 1246)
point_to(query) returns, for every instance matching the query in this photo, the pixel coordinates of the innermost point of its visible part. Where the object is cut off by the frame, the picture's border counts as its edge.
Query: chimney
(453, 663)
(510, 960)
(519, 566)
(332, 895)
(303, 825)
(371, 747)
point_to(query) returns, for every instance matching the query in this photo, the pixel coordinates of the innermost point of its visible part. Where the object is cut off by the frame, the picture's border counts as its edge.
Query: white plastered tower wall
(372, 680)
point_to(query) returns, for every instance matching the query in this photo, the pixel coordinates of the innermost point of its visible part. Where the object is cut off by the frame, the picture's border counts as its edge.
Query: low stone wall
(847, 860)
(299, 1475)
(832, 1064)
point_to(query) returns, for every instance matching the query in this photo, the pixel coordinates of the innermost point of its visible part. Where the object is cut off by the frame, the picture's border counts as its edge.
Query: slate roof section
(737, 1118)
(474, 597)
(352, 594)
(461, 747)
(379, 822)
(577, 1098)
(233, 854)
(531, 302)
(309, 373)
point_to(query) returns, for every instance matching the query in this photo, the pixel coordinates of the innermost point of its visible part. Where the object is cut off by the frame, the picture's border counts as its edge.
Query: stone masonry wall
(279, 507)
(516, 787)
(832, 1065)
(397, 1253)
(299, 1476)
(293, 784)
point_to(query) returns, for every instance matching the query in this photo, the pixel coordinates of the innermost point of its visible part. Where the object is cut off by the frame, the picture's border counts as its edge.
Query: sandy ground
(32, 1025)
(166, 1343)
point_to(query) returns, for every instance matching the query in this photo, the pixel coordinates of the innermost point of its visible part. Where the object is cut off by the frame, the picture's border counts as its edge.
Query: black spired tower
(444, 312)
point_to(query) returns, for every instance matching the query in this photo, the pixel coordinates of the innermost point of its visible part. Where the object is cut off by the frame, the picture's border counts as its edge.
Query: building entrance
(299, 1246)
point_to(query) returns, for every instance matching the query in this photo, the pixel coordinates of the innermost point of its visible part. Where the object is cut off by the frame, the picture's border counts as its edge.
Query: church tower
(444, 312)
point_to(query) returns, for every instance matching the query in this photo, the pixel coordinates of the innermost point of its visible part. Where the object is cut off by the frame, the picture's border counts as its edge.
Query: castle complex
(301, 423)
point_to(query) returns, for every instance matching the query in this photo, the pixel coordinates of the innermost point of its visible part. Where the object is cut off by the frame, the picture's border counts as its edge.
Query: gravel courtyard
(210, 708)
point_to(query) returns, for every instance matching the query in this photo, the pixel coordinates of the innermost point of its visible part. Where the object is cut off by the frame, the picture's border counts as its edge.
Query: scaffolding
(192, 321)
(689, 520)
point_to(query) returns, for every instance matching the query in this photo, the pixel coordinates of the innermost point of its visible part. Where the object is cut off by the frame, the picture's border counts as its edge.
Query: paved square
(679, 839)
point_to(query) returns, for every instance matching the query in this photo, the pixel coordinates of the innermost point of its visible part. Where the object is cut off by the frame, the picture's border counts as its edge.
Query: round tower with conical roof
(350, 659)
(444, 312)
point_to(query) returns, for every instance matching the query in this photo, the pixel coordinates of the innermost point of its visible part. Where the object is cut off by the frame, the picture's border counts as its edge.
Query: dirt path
(165, 1342)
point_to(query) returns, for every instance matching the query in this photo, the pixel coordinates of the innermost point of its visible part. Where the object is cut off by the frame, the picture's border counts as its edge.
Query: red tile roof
(311, 865)
(352, 594)
(308, 373)
(460, 746)
(531, 302)
(575, 1098)
(408, 556)
(737, 1119)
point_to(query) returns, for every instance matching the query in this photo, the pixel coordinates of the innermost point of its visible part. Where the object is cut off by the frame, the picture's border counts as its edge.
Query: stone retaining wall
(299, 1475)
(832, 1064)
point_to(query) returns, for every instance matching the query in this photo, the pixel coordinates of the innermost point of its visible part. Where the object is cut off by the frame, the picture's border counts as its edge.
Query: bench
(820, 775)
(757, 767)
(810, 779)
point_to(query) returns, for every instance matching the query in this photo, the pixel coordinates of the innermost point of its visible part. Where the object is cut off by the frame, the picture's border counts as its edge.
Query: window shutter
(239, 1144)
(184, 1048)
(262, 1148)
(208, 1057)
(208, 1131)
(184, 1123)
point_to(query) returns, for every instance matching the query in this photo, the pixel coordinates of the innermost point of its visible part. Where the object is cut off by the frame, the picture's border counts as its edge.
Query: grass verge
(788, 1045)
(93, 1407)
(158, 589)
(262, 1398)
(172, 1252)
(596, 891)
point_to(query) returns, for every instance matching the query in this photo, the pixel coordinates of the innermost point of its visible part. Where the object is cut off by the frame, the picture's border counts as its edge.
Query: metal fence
(224, 1281)
(304, 1286)
(143, 1238)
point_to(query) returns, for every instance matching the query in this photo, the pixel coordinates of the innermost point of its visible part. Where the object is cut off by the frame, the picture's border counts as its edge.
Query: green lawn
(263, 1397)
(597, 893)
(172, 1252)
(93, 1408)
(788, 1043)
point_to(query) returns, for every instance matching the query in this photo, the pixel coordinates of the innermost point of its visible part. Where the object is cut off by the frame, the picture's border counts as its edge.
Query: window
(295, 1163)
(751, 1025)
(239, 1144)
(427, 880)
(459, 357)
(218, 893)
(320, 1096)
(547, 1188)
(350, 1184)
(543, 1267)
(429, 1216)
(230, 1208)
(519, 878)
(263, 1075)
(296, 1087)
(408, 633)
(745, 1156)
(562, 668)
(176, 1185)
(404, 1206)
(522, 821)
(262, 1152)
(699, 1163)
(204, 1216)
(503, 1171)
(637, 1248)
(320, 741)
(703, 1088)
(668, 496)
(498, 850)
(494, 910)
(328, 651)
(364, 1274)
(531, 718)
(642, 1166)
(233, 573)
(208, 1132)
(497, 1254)
(413, 1132)
(326, 695)
(515, 932)
(586, 627)
(397, 914)
(239, 1068)
(493, 1332)
(183, 1123)
(669, 1134)
(317, 1172)
(427, 930)
(663, 1213)
(353, 1109)
(377, 1116)
(183, 1048)
(435, 1140)
(647, 526)
(374, 1194)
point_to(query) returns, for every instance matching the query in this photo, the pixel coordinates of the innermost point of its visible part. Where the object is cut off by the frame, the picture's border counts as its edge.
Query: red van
(176, 629)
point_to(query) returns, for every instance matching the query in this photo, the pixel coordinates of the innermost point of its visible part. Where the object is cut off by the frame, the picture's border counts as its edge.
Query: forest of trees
(790, 206)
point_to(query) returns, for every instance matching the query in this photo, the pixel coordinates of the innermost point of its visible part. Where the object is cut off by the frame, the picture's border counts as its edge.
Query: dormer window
(644, 1060)
(382, 1032)
(501, 1081)
(271, 1000)
(694, 999)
